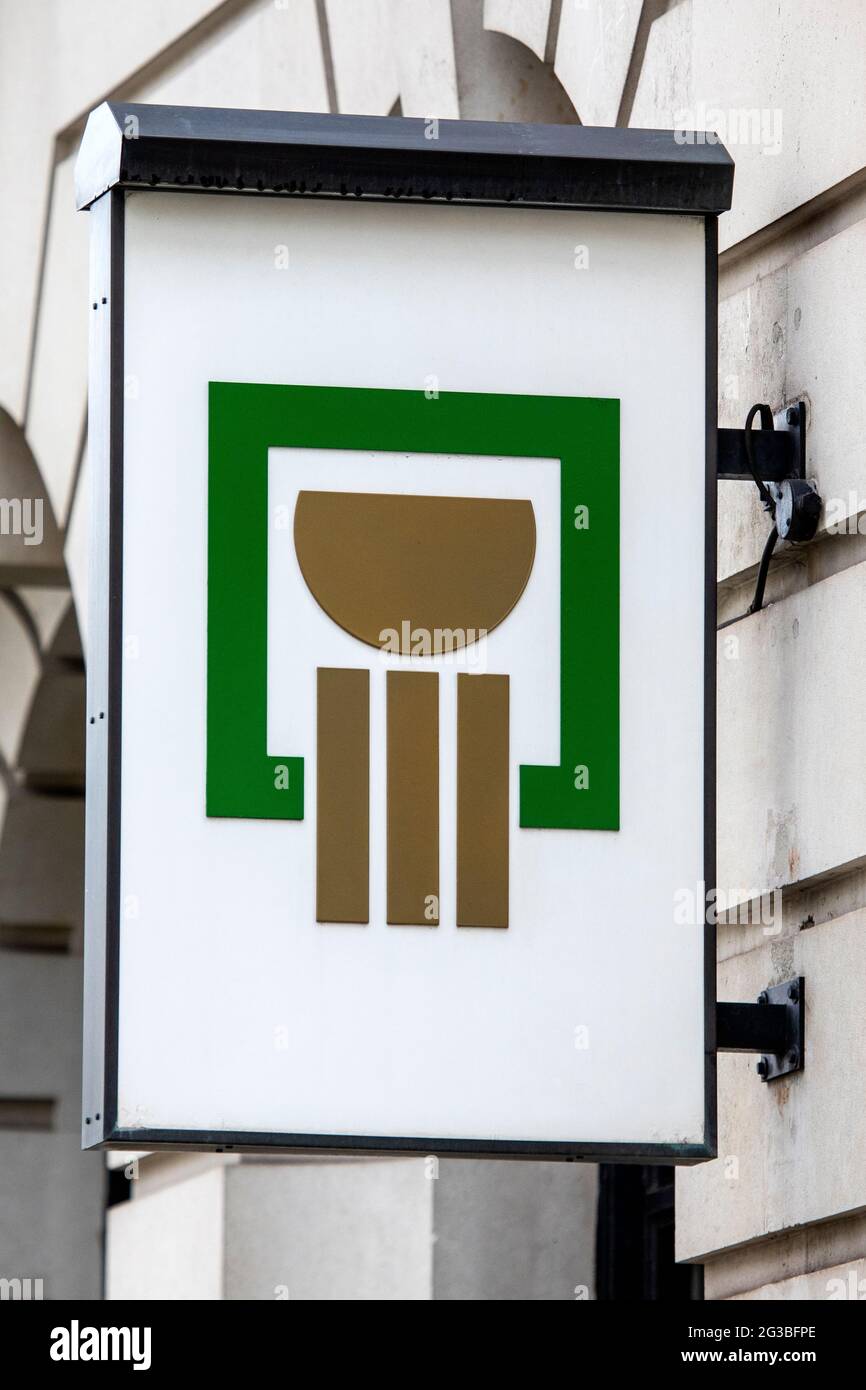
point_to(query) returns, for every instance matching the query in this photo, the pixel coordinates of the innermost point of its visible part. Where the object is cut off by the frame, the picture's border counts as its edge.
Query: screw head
(791, 415)
(793, 993)
(763, 997)
(794, 1057)
(762, 1068)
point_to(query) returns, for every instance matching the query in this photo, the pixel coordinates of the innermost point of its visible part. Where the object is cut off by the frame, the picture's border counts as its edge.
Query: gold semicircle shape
(385, 565)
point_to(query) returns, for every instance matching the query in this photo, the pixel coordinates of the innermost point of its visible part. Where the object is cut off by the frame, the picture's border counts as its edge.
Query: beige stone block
(514, 1231)
(596, 38)
(169, 1245)
(74, 54)
(42, 864)
(355, 1229)
(738, 69)
(424, 54)
(803, 1251)
(365, 75)
(50, 1193)
(266, 56)
(753, 327)
(798, 333)
(51, 1197)
(791, 738)
(664, 85)
(344, 1229)
(40, 1032)
(840, 1283)
(790, 1151)
(825, 361)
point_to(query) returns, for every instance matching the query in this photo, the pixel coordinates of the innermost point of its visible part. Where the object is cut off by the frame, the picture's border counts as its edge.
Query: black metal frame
(132, 146)
(505, 165)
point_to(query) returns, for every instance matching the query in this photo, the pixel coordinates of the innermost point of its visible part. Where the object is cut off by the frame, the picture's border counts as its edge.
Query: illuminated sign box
(401, 644)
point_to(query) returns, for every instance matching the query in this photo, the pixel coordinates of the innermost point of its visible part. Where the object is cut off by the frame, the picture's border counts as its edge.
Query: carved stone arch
(499, 78)
(42, 725)
(24, 558)
(42, 816)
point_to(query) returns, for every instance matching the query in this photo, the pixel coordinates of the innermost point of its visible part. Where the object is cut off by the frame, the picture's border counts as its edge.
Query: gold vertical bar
(413, 798)
(343, 795)
(482, 801)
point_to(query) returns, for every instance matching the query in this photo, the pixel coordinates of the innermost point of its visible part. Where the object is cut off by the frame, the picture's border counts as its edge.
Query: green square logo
(246, 420)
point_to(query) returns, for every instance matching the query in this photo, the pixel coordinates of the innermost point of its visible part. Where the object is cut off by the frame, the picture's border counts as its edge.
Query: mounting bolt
(762, 1068)
(791, 415)
(763, 997)
(794, 1057)
(794, 993)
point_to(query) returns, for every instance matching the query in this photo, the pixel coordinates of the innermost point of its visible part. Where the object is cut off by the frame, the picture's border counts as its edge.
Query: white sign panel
(404, 634)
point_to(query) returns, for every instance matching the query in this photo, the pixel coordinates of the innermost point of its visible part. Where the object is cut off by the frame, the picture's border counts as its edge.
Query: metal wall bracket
(778, 468)
(779, 448)
(775, 1027)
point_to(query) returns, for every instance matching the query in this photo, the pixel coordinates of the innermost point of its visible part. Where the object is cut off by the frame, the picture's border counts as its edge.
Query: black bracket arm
(774, 459)
(778, 448)
(775, 1027)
